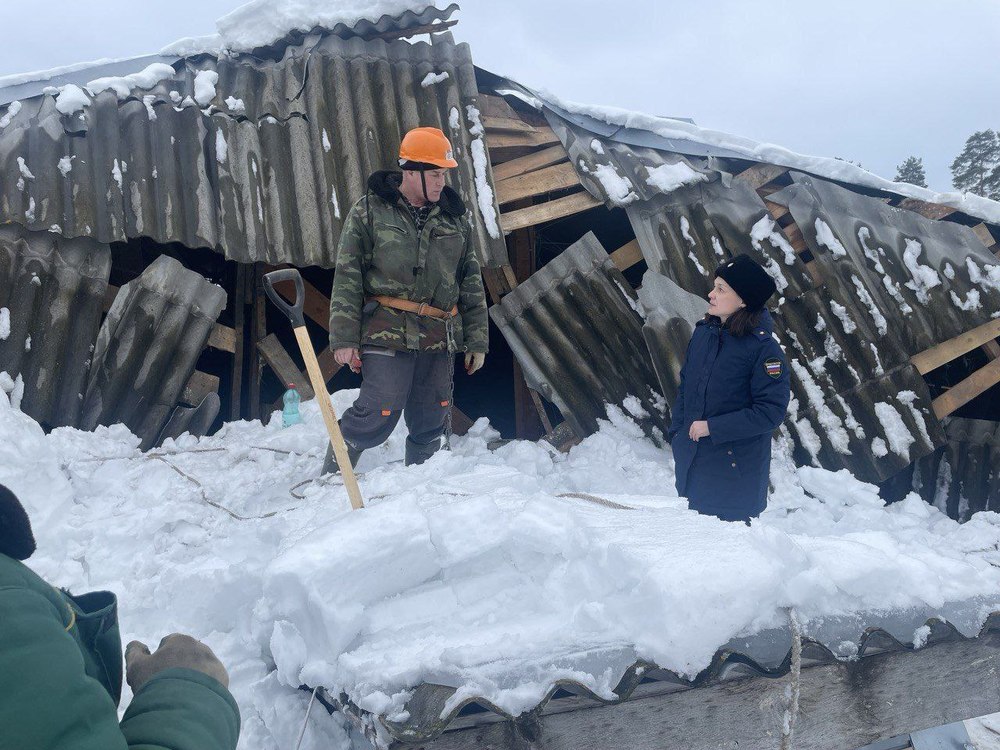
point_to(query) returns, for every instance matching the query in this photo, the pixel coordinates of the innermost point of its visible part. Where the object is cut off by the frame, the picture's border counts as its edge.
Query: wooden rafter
(760, 175)
(945, 352)
(530, 163)
(284, 367)
(316, 305)
(627, 255)
(543, 212)
(933, 211)
(199, 385)
(959, 395)
(547, 180)
(542, 136)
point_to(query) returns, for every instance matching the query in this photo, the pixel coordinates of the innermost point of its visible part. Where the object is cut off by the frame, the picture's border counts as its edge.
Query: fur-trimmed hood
(385, 184)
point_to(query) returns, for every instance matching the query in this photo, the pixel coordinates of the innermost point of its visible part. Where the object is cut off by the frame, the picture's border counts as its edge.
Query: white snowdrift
(470, 570)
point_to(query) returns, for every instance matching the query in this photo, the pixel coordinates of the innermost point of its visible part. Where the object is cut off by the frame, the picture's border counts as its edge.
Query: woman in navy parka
(733, 394)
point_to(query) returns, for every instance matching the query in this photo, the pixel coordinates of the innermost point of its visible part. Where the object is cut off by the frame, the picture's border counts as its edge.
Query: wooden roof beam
(946, 351)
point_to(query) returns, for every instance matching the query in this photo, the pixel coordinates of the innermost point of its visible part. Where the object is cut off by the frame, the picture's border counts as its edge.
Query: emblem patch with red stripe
(773, 368)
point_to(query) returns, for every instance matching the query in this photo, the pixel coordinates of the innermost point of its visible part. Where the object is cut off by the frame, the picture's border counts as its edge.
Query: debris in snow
(221, 150)
(431, 78)
(896, 431)
(148, 100)
(480, 163)
(236, 106)
(71, 99)
(925, 278)
(826, 238)
(670, 177)
(4, 323)
(123, 85)
(12, 109)
(204, 87)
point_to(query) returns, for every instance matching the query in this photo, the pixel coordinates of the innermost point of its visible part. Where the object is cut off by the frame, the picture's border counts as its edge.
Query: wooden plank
(327, 364)
(543, 136)
(983, 233)
(199, 385)
(543, 212)
(930, 210)
(627, 255)
(842, 705)
(991, 349)
(959, 395)
(239, 317)
(495, 106)
(776, 210)
(933, 358)
(795, 238)
(760, 174)
(258, 330)
(498, 283)
(509, 276)
(316, 305)
(279, 360)
(547, 180)
(460, 423)
(530, 163)
(507, 124)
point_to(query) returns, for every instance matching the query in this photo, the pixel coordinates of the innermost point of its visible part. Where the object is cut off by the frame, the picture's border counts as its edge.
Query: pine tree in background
(912, 171)
(977, 168)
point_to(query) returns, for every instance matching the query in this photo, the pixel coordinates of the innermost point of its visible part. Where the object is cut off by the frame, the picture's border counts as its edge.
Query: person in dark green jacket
(407, 295)
(61, 667)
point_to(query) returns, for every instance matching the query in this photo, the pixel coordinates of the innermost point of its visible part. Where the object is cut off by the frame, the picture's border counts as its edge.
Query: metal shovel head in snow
(294, 313)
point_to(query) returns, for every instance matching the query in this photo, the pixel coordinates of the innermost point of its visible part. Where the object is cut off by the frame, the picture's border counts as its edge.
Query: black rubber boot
(417, 453)
(330, 463)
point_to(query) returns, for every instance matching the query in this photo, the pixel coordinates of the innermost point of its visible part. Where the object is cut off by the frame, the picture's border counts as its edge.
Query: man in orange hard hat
(407, 295)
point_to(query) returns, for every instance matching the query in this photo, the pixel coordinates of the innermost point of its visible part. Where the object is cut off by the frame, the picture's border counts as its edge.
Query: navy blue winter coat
(741, 386)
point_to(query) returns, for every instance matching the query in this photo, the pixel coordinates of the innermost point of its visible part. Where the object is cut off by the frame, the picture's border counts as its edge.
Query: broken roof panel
(926, 281)
(148, 346)
(261, 163)
(53, 291)
(963, 477)
(576, 329)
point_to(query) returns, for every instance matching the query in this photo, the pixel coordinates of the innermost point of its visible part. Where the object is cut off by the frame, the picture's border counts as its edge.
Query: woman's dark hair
(741, 322)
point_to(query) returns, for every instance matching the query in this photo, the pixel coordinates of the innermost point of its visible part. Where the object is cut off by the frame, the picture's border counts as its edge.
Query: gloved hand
(175, 650)
(474, 360)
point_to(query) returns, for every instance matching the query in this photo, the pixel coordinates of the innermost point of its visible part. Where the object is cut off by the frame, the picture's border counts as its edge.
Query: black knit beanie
(748, 280)
(16, 539)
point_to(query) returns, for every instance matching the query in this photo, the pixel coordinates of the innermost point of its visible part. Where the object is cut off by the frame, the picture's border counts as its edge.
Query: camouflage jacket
(381, 253)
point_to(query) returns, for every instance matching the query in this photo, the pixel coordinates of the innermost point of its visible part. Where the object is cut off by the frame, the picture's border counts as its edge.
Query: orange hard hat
(426, 146)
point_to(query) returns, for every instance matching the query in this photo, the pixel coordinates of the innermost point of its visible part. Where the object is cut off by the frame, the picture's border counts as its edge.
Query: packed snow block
(670, 316)
(259, 158)
(148, 347)
(575, 327)
(921, 281)
(874, 430)
(51, 299)
(686, 234)
(963, 476)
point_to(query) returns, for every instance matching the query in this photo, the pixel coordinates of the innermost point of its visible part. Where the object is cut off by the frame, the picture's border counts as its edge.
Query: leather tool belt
(420, 308)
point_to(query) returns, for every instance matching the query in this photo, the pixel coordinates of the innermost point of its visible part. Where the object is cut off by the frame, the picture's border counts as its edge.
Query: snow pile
(669, 177)
(123, 85)
(431, 78)
(492, 571)
(260, 23)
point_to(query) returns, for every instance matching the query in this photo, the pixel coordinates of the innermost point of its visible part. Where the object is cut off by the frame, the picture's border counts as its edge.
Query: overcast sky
(873, 81)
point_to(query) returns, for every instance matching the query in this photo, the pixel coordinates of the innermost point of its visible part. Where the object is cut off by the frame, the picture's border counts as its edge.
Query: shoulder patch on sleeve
(773, 367)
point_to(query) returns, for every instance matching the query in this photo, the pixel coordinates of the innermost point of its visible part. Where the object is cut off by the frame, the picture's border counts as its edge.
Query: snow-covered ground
(486, 570)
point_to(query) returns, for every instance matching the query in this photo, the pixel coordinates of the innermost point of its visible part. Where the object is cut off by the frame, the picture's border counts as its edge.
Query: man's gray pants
(416, 385)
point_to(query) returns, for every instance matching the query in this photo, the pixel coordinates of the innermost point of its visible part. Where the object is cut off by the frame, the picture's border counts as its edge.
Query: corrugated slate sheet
(265, 171)
(53, 289)
(432, 708)
(148, 347)
(576, 331)
(963, 477)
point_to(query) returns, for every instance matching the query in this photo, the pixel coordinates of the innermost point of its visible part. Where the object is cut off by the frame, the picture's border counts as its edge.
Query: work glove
(175, 650)
(473, 361)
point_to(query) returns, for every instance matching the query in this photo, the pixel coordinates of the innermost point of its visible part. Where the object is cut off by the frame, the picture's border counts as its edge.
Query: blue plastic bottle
(290, 413)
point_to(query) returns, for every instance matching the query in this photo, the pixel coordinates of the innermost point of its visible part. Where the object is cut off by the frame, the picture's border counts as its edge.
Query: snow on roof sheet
(686, 137)
(495, 572)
